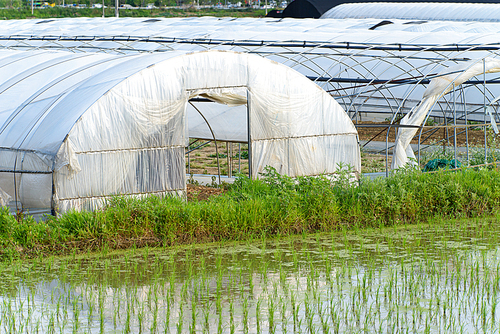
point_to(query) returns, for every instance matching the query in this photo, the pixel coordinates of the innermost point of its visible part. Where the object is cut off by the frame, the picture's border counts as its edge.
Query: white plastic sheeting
(384, 70)
(264, 30)
(227, 123)
(452, 77)
(390, 60)
(444, 11)
(78, 128)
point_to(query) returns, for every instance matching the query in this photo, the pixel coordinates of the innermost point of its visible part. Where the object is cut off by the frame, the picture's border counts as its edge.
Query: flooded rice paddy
(443, 278)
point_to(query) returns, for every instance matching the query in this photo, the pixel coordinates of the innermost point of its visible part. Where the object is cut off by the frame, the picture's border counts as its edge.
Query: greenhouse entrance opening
(218, 141)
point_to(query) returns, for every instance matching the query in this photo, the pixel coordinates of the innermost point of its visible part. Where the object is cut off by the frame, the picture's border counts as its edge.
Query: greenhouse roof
(480, 12)
(381, 64)
(46, 85)
(365, 65)
(264, 30)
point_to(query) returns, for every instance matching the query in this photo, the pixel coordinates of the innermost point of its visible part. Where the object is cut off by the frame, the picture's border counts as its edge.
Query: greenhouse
(375, 69)
(442, 11)
(77, 128)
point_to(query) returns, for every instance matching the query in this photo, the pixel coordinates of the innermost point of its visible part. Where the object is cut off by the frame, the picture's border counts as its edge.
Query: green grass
(276, 205)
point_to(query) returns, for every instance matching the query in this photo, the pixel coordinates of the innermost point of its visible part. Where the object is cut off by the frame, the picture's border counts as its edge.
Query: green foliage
(273, 205)
(431, 154)
(221, 155)
(436, 164)
(244, 155)
(476, 155)
(430, 122)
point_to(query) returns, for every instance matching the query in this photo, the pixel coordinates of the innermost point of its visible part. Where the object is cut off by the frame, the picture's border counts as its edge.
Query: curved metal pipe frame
(213, 135)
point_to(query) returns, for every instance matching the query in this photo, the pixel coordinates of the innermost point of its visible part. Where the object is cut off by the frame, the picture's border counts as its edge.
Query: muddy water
(442, 278)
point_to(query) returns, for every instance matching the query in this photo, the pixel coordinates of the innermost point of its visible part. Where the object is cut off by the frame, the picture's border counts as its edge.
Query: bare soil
(475, 135)
(202, 193)
(204, 160)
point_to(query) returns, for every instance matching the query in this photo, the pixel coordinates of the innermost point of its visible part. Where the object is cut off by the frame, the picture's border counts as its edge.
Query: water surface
(440, 278)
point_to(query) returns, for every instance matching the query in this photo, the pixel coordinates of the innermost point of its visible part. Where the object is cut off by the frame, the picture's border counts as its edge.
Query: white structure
(366, 67)
(372, 68)
(432, 11)
(439, 86)
(78, 128)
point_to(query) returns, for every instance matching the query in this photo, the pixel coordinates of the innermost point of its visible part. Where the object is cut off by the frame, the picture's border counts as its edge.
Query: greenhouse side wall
(31, 183)
(137, 173)
(299, 129)
(129, 143)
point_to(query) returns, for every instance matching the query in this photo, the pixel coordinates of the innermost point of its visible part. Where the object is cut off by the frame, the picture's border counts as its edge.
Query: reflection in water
(441, 278)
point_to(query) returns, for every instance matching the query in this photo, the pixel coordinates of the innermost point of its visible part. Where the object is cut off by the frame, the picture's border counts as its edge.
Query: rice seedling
(441, 277)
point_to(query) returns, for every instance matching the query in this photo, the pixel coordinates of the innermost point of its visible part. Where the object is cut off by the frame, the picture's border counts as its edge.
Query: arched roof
(43, 94)
(71, 84)
(142, 34)
(455, 10)
(383, 65)
(435, 11)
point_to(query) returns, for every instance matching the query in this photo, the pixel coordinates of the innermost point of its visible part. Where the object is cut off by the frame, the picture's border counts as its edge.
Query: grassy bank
(58, 12)
(273, 206)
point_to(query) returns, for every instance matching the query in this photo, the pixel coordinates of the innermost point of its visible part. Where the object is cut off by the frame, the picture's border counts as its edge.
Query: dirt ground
(204, 160)
(475, 135)
(202, 193)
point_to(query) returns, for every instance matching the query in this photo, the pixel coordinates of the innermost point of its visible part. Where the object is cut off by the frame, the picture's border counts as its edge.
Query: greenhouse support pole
(455, 124)
(102, 8)
(249, 137)
(230, 162)
(52, 204)
(31, 7)
(446, 135)
(418, 144)
(466, 127)
(387, 151)
(228, 158)
(15, 185)
(387, 144)
(484, 111)
(117, 14)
